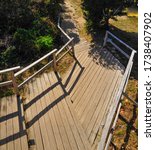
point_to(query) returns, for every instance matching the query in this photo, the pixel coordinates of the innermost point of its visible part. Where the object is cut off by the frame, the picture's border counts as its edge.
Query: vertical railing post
(73, 49)
(105, 39)
(14, 82)
(54, 62)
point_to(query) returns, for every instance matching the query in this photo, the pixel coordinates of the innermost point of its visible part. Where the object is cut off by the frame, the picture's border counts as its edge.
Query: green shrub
(44, 43)
(24, 41)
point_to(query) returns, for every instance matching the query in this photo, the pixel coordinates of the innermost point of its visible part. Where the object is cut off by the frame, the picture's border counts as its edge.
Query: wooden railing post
(14, 82)
(54, 61)
(105, 39)
(73, 49)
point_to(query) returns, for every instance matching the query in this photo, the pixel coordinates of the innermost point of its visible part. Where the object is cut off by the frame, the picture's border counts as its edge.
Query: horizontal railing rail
(64, 46)
(67, 44)
(113, 115)
(107, 39)
(12, 81)
(6, 83)
(9, 70)
(119, 40)
(52, 53)
(62, 31)
(35, 63)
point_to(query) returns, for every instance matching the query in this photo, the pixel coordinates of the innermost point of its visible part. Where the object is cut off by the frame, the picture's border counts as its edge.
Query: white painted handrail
(113, 109)
(118, 48)
(66, 44)
(68, 37)
(119, 40)
(109, 124)
(9, 70)
(10, 82)
(35, 63)
(6, 83)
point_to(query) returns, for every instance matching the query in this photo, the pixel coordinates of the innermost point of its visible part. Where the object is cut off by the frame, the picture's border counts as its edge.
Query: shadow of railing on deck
(19, 114)
(131, 38)
(46, 91)
(104, 58)
(71, 74)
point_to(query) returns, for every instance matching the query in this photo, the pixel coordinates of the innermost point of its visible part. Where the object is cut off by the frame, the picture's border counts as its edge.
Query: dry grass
(79, 19)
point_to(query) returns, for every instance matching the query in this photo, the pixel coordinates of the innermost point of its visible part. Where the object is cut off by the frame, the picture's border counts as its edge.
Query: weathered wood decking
(12, 126)
(67, 113)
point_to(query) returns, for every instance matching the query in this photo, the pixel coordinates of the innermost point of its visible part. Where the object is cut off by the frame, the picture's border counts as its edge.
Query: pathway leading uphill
(75, 112)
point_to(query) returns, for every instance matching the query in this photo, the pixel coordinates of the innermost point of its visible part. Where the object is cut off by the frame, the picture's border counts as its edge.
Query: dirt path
(73, 21)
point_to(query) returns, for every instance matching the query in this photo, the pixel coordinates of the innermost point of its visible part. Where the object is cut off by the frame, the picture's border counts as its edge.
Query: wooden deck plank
(95, 97)
(41, 118)
(59, 122)
(16, 129)
(86, 89)
(57, 93)
(102, 102)
(74, 72)
(81, 58)
(23, 134)
(101, 110)
(56, 133)
(73, 124)
(112, 98)
(90, 90)
(28, 113)
(99, 126)
(46, 103)
(68, 105)
(89, 71)
(10, 144)
(64, 118)
(3, 132)
(88, 81)
(79, 126)
(34, 131)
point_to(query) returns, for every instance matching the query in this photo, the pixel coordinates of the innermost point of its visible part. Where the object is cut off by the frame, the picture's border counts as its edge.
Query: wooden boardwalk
(65, 113)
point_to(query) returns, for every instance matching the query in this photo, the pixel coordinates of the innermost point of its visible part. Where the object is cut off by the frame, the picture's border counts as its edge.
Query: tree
(14, 14)
(103, 10)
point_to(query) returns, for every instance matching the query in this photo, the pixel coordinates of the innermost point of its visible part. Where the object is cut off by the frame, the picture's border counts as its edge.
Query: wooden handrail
(113, 109)
(118, 48)
(10, 82)
(6, 83)
(36, 73)
(67, 36)
(35, 63)
(9, 70)
(64, 46)
(119, 40)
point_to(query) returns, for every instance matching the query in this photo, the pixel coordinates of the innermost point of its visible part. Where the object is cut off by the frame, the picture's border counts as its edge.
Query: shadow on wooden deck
(46, 91)
(21, 120)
